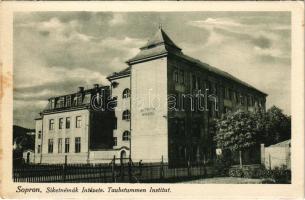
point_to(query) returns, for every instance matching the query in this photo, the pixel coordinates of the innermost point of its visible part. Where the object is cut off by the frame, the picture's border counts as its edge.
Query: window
(237, 97)
(234, 95)
(61, 123)
(78, 121)
(38, 149)
(126, 93)
(115, 125)
(74, 101)
(50, 146)
(115, 141)
(126, 115)
(68, 101)
(79, 99)
(68, 120)
(227, 93)
(194, 82)
(61, 102)
(59, 145)
(51, 124)
(126, 136)
(39, 135)
(52, 103)
(77, 144)
(67, 145)
(176, 76)
(230, 94)
(242, 100)
(181, 76)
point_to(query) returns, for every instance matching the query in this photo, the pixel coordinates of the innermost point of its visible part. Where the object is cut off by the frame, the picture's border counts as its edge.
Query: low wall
(60, 158)
(276, 156)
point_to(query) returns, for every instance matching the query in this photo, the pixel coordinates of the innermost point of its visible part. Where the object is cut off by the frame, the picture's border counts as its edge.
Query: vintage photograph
(152, 97)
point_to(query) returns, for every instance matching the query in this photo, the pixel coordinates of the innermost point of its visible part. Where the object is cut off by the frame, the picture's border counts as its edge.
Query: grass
(225, 180)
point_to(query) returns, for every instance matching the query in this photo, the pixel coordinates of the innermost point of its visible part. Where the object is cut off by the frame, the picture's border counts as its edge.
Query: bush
(281, 175)
(236, 172)
(277, 175)
(222, 165)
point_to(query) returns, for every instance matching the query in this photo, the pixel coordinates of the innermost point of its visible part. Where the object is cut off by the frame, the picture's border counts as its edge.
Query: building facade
(73, 125)
(163, 104)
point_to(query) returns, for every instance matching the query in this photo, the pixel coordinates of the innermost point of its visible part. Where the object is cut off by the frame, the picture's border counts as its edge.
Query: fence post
(129, 170)
(140, 167)
(64, 169)
(113, 169)
(269, 161)
(188, 169)
(161, 169)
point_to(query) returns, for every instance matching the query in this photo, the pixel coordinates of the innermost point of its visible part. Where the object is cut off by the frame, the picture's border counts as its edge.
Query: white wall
(277, 157)
(63, 133)
(149, 138)
(38, 141)
(123, 104)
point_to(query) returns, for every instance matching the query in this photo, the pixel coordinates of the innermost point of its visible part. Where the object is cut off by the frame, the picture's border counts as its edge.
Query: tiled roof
(123, 72)
(161, 44)
(218, 71)
(159, 38)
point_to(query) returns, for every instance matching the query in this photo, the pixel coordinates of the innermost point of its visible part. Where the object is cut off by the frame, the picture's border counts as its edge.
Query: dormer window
(68, 101)
(52, 103)
(79, 99)
(61, 102)
(75, 101)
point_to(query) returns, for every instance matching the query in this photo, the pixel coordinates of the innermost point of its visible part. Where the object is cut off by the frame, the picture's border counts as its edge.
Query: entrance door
(123, 157)
(28, 158)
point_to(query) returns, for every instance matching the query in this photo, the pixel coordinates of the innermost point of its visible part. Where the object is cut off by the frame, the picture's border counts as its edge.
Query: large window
(51, 124)
(126, 93)
(61, 123)
(77, 144)
(67, 145)
(50, 146)
(78, 121)
(126, 136)
(39, 149)
(126, 115)
(181, 76)
(68, 121)
(59, 145)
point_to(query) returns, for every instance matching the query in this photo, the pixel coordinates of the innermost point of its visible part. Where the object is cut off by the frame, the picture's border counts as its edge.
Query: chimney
(96, 86)
(80, 89)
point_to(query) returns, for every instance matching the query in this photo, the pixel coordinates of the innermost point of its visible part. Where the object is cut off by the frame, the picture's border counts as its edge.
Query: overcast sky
(55, 52)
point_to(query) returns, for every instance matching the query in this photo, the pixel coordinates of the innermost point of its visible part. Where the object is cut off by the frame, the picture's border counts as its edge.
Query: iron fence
(109, 173)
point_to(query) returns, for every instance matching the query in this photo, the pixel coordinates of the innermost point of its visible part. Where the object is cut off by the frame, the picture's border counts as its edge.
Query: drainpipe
(130, 100)
(41, 139)
(89, 135)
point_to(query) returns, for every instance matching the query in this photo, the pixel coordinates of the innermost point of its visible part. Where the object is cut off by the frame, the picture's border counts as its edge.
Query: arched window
(126, 93)
(126, 115)
(126, 136)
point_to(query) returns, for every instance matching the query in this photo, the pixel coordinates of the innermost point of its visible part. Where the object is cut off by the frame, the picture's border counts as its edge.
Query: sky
(56, 52)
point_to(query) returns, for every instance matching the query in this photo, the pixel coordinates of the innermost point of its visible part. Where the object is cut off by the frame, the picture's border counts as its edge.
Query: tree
(273, 126)
(278, 126)
(236, 132)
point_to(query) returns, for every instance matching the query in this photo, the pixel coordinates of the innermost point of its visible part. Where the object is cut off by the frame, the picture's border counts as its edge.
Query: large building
(164, 102)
